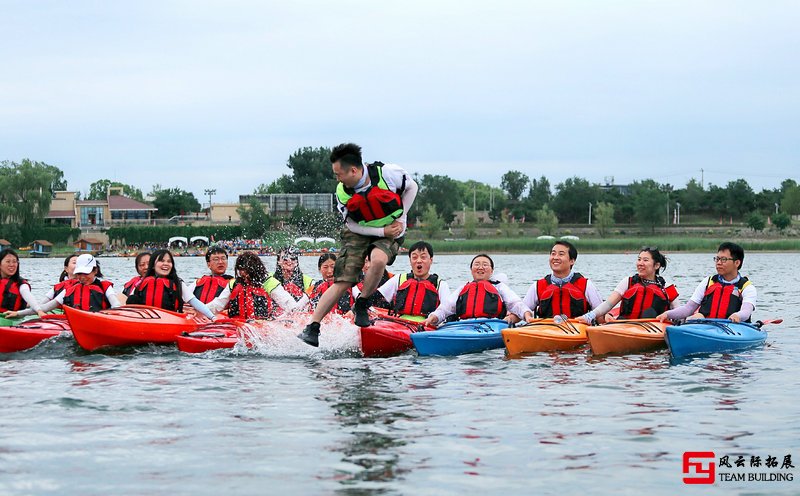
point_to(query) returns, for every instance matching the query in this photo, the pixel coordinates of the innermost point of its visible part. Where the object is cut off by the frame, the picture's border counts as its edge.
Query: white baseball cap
(85, 264)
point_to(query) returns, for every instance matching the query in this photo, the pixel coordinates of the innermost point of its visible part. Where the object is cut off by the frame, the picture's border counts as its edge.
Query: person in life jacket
(563, 291)
(141, 263)
(214, 289)
(288, 286)
(483, 297)
(248, 298)
(90, 292)
(725, 295)
(15, 292)
(325, 265)
(162, 288)
(414, 295)
(644, 295)
(377, 299)
(374, 201)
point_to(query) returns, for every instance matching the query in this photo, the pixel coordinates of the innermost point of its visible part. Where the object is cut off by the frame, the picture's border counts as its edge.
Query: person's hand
(734, 317)
(511, 319)
(585, 318)
(662, 317)
(393, 230)
(41, 313)
(610, 316)
(10, 315)
(431, 321)
(696, 316)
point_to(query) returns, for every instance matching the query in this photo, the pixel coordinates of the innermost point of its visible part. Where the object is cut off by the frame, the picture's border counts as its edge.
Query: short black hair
(347, 154)
(324, 258)
(573, 252)
(491, 262)
(736, 251)
(215, 249)
(421, 245)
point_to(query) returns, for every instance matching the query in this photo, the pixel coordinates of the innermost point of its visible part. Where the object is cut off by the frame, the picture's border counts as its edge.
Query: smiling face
(481, 269)
(646, 266)
(326, 269)
(9, 265)
(560, 263)
(163, 267)
(421, 263)
(141, 267)
(726, 266)
(86, 279)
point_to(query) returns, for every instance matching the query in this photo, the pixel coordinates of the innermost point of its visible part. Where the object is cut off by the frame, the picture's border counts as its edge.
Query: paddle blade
(761, 323)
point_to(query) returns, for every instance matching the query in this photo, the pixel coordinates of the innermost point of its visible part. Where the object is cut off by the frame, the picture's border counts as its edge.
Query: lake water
(288, 419)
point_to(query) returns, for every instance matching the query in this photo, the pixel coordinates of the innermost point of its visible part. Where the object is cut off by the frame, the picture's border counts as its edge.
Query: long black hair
(8, 252)
(658, 258)
(250, 263)
(157, 256)
(295, 277)
(64, 273)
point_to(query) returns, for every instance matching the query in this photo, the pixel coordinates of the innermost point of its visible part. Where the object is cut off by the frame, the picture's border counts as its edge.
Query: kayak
(389, 335)
(4, 322)
(713, 336)
(212, 336)
(28, 334)
(545, 335)
(127, 326)
(626, 336)
(463, 336)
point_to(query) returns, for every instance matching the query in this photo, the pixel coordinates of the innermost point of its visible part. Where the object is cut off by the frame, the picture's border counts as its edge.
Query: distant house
(41, 248)
(88, 245)
(4, 244)
(115, 209)
(481, 216)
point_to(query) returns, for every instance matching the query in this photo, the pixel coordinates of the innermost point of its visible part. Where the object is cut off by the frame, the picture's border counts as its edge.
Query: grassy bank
(598, 245)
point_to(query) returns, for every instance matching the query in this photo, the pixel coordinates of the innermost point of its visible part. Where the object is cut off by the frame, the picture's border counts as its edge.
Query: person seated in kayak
(725, 295)
(288, 286)
(416, 294)
(141, 263)
(325, 264)
(15, 292)
(248, 298)
(162, 288)
(482, 297)
(563, 291)
(90, 292)
(214, 289)
(643, 295)
(65, 279)
(377, 299)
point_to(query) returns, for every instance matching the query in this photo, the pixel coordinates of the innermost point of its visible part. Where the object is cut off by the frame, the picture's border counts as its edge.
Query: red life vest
(209, 287)
(130, 286)
(569, 299)
(378, 206)
(721, 300)
(159, 292)
(11, 299)
(64, 285)
(416, 297)
(645, 300)
(318, 289)
(250, 302)
(480, 299)
(88, 297)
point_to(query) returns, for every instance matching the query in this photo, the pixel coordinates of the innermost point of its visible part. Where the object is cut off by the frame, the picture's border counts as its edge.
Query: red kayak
(127, 326)
(31, 332)
(212, 336)
(389, 335)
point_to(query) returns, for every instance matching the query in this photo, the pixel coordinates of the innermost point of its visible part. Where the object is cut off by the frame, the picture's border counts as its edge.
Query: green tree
(604, 218)
(314, 223)
(470, 225)
(781, 221)
(432, 222)
(514, 183)
(791, 200)
(539, 195)
(546, 220)
(650, 204)
(281, 185)
(26, 191)
(441, 192)
(311, 172)
(175, 201)
(98, 190)
(756, 221)
(255, 221)
(571, 202)
(740, 198)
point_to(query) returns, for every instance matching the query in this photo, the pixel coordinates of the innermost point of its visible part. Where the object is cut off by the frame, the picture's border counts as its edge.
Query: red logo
(696, 470)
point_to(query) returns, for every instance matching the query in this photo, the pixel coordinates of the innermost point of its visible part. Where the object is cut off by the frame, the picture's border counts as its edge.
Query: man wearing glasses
(214, 289)
(726, 295)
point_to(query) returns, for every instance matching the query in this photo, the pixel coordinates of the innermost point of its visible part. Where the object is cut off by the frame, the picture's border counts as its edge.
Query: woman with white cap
(90, 293)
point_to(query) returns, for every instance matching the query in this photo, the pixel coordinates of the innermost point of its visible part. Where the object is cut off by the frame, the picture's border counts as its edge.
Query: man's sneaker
(360, 313)
(310, 334)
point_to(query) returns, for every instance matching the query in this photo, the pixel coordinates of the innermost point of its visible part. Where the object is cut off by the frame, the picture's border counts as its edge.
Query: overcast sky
(201, 94)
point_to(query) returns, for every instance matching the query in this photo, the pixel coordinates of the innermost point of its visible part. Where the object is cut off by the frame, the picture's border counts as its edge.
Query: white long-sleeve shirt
(58, 301)
(512, 301)
(393, 175)
(219, 303)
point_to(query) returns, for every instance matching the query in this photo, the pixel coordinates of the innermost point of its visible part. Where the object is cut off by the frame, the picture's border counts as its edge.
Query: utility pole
(210, 193)
(590, 213)
(473, 197)
(701, 178)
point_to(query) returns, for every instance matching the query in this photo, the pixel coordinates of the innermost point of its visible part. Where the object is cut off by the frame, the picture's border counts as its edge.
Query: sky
(217, 95)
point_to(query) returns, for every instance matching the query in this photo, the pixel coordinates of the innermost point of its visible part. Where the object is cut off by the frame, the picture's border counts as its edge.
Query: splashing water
(339, 337)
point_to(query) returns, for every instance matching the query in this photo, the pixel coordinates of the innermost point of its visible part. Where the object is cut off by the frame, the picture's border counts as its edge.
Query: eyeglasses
(217, 259)
(723, 259)
(481, 264)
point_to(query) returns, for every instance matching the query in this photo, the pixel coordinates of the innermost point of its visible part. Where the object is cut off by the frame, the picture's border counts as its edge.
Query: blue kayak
(713, 336)
(463, 336)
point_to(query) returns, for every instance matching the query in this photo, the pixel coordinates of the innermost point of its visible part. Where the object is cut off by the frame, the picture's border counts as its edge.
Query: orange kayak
(625, 336)
(544, 335)
(29, 333)
(127, 326)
